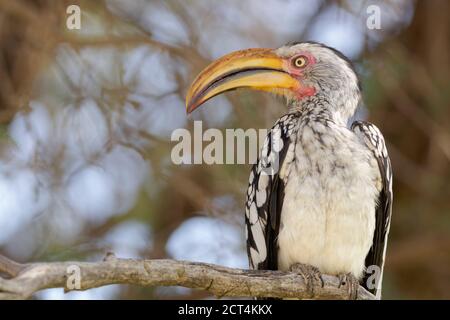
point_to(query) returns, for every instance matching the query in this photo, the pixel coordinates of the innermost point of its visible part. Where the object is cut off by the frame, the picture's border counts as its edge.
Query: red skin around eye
(302, 91)
(298, 72)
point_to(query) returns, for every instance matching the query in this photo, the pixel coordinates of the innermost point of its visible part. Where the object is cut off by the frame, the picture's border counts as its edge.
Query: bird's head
(300, 72)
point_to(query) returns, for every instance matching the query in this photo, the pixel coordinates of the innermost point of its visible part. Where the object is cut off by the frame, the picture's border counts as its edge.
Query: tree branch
(220, 281)
(9, 267)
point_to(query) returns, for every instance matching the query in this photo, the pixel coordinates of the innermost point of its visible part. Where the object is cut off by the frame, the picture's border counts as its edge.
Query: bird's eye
(300, 62)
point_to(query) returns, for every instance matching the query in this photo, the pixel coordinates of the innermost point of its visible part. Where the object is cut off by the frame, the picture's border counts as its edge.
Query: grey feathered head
(329, 72)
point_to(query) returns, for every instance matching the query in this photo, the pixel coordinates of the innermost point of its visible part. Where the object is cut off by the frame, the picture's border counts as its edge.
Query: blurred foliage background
(86, 118)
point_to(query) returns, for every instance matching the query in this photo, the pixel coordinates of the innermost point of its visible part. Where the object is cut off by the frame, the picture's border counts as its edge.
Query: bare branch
(220, 281)
(9, 267)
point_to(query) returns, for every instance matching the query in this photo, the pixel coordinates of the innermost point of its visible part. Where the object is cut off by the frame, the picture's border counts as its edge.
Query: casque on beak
(259, 69)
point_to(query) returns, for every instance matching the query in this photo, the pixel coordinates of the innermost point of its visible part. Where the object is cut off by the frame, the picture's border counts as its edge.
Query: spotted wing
(265, 194)
(374, 140)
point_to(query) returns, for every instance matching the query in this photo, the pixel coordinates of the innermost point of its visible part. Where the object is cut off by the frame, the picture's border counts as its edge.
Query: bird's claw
(310, 274)
(352, 284)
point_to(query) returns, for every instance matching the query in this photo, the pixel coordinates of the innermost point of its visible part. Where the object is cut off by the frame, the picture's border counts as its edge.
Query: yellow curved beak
(259, 69)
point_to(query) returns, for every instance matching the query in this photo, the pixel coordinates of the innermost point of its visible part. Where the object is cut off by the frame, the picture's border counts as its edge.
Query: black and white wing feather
(266, 192)
(374, 140)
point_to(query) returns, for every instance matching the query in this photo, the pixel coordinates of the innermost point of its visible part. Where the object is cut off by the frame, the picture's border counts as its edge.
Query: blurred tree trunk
(429, 37)
(28, 34)
(412, 70)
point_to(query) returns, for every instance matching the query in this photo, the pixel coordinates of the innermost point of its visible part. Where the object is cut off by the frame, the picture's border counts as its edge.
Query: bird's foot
(310, 274)
(352, 284)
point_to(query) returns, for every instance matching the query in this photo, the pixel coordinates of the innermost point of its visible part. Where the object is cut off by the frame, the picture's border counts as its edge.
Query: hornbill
(320, 196)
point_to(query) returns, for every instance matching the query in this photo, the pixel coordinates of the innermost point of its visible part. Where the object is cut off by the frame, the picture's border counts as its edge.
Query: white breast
(328, 215)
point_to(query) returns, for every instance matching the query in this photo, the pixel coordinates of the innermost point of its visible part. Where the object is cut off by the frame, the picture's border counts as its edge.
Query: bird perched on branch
(320, 196)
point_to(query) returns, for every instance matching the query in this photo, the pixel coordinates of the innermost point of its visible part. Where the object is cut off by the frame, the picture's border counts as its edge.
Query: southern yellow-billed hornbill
(319, 199)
